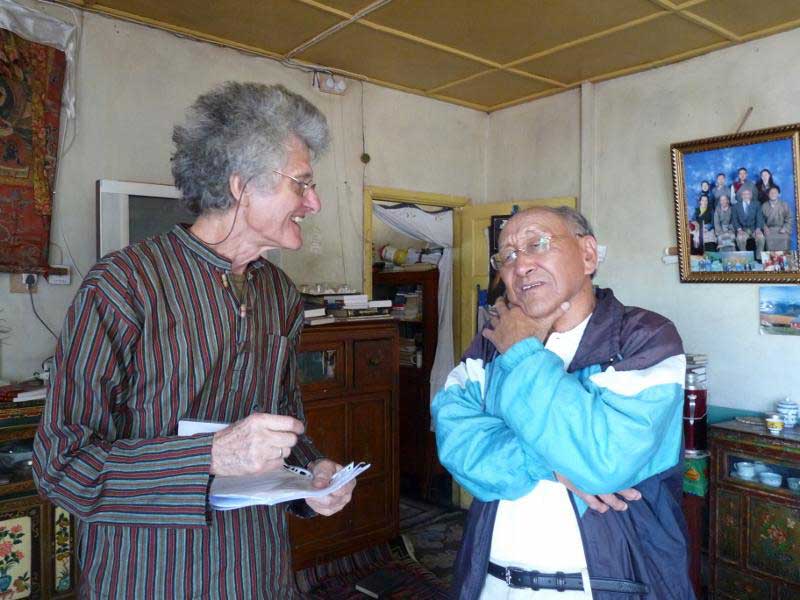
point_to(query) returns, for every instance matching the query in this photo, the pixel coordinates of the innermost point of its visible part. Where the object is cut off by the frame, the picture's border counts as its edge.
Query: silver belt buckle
(509, 572)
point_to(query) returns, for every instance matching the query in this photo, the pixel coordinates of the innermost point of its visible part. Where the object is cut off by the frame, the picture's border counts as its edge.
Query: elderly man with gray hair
(192, 324)
(566, 397)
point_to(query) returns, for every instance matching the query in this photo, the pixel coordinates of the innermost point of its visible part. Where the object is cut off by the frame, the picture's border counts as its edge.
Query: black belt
(519, 578)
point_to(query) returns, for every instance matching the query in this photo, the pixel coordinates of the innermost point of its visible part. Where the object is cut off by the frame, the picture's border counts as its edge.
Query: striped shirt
(154, 335)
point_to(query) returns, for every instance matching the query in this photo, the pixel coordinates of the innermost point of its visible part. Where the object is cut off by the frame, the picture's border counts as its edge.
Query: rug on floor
(336, 580)
(415, 512)
(435, 543)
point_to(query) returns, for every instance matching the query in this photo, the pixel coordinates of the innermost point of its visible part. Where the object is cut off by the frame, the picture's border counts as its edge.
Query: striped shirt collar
(193, 243)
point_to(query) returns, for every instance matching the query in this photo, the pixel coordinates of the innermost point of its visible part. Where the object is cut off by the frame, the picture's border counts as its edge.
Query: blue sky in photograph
(780, 293)
(775, 156)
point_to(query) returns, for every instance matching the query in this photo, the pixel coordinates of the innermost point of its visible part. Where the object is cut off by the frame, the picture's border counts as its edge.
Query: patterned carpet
(434, 534)
(423, 556)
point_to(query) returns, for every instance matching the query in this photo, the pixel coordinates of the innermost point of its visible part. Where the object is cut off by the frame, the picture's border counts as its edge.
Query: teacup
(745, 469)
(775, 424)
(793, 483)
(760, 467)
(771, 479)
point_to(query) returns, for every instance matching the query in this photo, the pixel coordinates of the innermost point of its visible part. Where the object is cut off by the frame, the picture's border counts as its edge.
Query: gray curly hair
(244, 129)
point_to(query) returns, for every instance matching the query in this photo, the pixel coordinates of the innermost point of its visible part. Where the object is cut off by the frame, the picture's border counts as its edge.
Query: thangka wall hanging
(31, 81)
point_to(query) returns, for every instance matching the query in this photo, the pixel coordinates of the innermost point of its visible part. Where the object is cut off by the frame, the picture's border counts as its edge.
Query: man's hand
(511, 325)
(256, 444)
(602, 502)
(323, 470)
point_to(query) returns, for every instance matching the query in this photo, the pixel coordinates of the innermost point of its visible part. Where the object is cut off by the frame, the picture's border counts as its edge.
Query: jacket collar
(194, 245)
(600, 344)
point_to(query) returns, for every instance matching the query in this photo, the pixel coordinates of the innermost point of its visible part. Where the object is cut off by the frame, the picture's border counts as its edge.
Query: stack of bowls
(789, 410)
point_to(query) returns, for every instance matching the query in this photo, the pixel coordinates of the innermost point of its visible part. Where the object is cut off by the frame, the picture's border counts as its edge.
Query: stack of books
(408, 352)
(351, 307)
(407, 306)
(32, 390)
(696, 365)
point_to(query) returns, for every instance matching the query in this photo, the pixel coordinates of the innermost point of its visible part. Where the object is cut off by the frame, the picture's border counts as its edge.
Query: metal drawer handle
(374, 361)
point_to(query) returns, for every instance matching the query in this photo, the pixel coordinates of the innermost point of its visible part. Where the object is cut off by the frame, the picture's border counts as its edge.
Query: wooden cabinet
(755, 529)
(349, 377)
(419, 465)
(37, 558)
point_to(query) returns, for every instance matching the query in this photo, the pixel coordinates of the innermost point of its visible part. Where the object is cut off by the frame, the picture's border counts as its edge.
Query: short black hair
(774, 187)
(741, 169)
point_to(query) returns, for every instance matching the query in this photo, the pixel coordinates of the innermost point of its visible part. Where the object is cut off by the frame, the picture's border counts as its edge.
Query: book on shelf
(345, 312)
(366, 318)
(311, 313)
(320, 320)
(32, 390)
(380, 304)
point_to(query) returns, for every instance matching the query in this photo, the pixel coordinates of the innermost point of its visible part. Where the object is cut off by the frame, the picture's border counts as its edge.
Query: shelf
(17, 487)
(403, 277)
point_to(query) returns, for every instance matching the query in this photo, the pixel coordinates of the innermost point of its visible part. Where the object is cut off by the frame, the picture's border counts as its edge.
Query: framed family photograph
(736, 206)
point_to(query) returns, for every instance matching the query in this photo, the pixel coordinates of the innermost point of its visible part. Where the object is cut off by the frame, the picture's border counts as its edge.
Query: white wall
(636, 119)
(134, 84)
(534, 150)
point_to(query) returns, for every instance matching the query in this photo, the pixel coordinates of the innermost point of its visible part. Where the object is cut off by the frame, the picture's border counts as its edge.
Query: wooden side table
(754, 547)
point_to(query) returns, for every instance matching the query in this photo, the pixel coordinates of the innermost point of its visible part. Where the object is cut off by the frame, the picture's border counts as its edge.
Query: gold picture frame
(740, 240)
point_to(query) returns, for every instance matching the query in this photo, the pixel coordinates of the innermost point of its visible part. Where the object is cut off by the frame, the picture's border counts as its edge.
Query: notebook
(276, 487)
(290, 483)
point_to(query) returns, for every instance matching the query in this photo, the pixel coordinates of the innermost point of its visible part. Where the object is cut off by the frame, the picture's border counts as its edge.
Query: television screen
(149, 216)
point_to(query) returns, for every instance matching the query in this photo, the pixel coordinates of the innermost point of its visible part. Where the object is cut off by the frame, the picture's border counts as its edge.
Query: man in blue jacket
(566, 385)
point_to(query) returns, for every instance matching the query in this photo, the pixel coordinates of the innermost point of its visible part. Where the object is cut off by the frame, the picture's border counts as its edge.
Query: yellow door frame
(378, 194)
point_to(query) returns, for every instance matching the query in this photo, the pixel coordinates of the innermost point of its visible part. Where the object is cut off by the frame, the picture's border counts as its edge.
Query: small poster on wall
(779, 309)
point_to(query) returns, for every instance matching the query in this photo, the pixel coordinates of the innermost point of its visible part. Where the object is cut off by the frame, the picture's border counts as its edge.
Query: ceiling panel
(645, 43)
(505, 30)
(495, 87)
(424, 45)
(389, 58)
(276, 25)
(744, 16)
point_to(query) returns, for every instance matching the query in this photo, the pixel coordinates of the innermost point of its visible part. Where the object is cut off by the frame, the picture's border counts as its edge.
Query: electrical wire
(35, 312)
(235, 213)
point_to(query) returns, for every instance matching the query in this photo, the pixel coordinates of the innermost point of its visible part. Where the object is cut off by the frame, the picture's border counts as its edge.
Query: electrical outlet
(18, 286)
(54, 279)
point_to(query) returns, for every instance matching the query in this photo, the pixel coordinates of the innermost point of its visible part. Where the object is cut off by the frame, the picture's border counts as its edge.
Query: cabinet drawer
(374, 362)
(773, 535)
(732, 583)
(322, 368)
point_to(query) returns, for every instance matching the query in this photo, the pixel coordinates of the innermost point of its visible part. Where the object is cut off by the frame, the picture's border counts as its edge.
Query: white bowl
(771, 479)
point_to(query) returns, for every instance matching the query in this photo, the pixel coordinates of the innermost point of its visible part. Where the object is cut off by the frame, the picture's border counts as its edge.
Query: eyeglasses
(305, 186)
(508, 256)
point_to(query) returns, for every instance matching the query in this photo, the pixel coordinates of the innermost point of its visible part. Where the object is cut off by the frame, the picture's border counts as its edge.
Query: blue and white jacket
(612, 420)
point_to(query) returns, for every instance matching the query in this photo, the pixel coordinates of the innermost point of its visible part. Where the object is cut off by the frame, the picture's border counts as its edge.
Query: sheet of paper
(190, 427)
(290, 483)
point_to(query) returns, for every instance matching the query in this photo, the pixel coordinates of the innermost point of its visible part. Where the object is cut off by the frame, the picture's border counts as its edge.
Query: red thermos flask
(695, 406)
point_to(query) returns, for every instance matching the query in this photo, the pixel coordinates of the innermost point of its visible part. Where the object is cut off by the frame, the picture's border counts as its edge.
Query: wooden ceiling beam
(525, 74)
(682, 11)
(334, 28)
